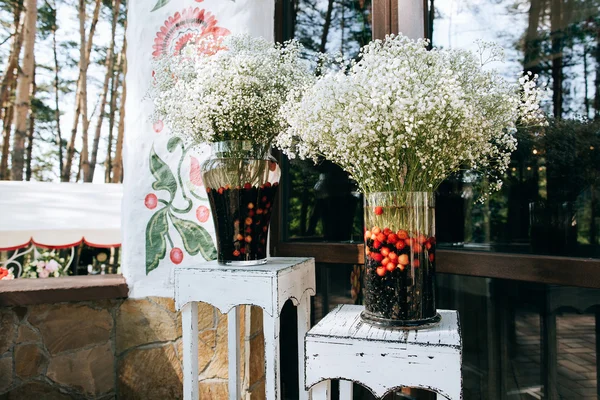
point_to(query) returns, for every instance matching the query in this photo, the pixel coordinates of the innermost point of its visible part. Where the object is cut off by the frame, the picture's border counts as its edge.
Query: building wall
(120, 349)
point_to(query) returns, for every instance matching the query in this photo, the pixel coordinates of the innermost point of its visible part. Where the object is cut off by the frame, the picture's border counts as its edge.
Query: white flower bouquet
(228, 88)
(403, 118)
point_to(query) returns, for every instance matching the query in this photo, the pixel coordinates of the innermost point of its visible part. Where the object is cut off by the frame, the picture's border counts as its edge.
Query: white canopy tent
(59, 215)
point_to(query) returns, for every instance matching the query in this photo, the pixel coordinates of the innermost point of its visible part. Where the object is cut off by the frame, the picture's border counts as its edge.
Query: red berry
(392, 238)
(264, 199)
(236, 253)
(268, 205)
(401, 267)
(251, 213)
(202, 213)
(248, 239)
(402, 234)
(385, 251)
(428, 245)
(275, 184)
(247, 186)
(380, 271)
(416, 263)
(376, 230)
(267, 184)
(221, 190)
(417, 248)
(378, 210)
(400, 245)
(403, 259)
(381, 237)
(385, 261)
(376, 244)
(207, 190)
(265, 228)
(387, 231)
(432, 240)
(151, 201)
(393, 256)
(431, 257)
(227, 187)
(367, 235)
(376, 256)
(243, 250)
(422, 239)
(390, 266)
(250, 206)
(176, 255)
(248, 221)
(409, 242)
(239, 237)
(259, 211)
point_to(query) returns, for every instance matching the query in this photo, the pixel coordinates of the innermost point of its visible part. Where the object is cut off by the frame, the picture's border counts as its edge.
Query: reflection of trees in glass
(335, 26)
(549, 202)
(561, 37)
(321, 203)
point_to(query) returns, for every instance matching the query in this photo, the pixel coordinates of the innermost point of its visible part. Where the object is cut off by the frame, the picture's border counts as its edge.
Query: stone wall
(120, 349)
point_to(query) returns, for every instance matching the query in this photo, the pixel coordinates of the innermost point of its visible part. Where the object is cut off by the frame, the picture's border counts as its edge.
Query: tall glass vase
(241, 179)
(399, 289)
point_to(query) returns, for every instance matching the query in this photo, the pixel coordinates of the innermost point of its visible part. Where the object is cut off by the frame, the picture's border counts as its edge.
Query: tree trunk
(118, 164)
(531, 51)
(557, 34)
(8, 117)
(326, 26)
(23, 99)
(116, 4)
(13, 59)
(56, 100)
(84, 56)
(597, 78)
(114, 93)
(31, 128)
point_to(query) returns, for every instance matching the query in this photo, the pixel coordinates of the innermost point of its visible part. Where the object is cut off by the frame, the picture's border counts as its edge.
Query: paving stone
(70, 326)
(150, 374)
(29, 360)
(89, 371)
(37, 391)
(7, 327)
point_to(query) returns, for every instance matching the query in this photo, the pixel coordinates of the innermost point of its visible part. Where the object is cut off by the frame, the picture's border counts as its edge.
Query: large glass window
(320, 202)
(549, 203)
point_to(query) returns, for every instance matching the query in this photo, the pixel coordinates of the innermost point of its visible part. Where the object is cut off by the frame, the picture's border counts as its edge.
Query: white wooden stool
(267, 286)
(342, 346)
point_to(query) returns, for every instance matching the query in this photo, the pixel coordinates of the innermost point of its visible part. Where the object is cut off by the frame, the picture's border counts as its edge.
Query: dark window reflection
(320, 202)
(549, 203)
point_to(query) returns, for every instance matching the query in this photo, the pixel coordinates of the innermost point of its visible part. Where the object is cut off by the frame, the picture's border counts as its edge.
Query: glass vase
(241, 180)
(399, 287)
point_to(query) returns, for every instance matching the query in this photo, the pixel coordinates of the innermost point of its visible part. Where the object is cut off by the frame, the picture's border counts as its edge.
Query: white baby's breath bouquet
(228, 88)
(403, 118)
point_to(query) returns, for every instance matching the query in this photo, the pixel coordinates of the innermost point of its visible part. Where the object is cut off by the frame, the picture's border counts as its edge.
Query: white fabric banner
(166, 216)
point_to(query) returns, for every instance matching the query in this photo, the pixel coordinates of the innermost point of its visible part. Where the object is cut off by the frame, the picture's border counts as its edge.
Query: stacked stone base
(120, 349)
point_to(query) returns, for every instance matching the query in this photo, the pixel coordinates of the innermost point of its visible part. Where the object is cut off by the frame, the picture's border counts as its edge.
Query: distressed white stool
(342, 346)
(267, 286)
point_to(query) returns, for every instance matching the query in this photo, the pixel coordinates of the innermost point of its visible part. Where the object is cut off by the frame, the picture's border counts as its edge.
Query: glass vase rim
(240, 146)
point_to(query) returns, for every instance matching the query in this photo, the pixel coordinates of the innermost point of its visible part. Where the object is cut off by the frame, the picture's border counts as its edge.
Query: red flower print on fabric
(183, 28)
